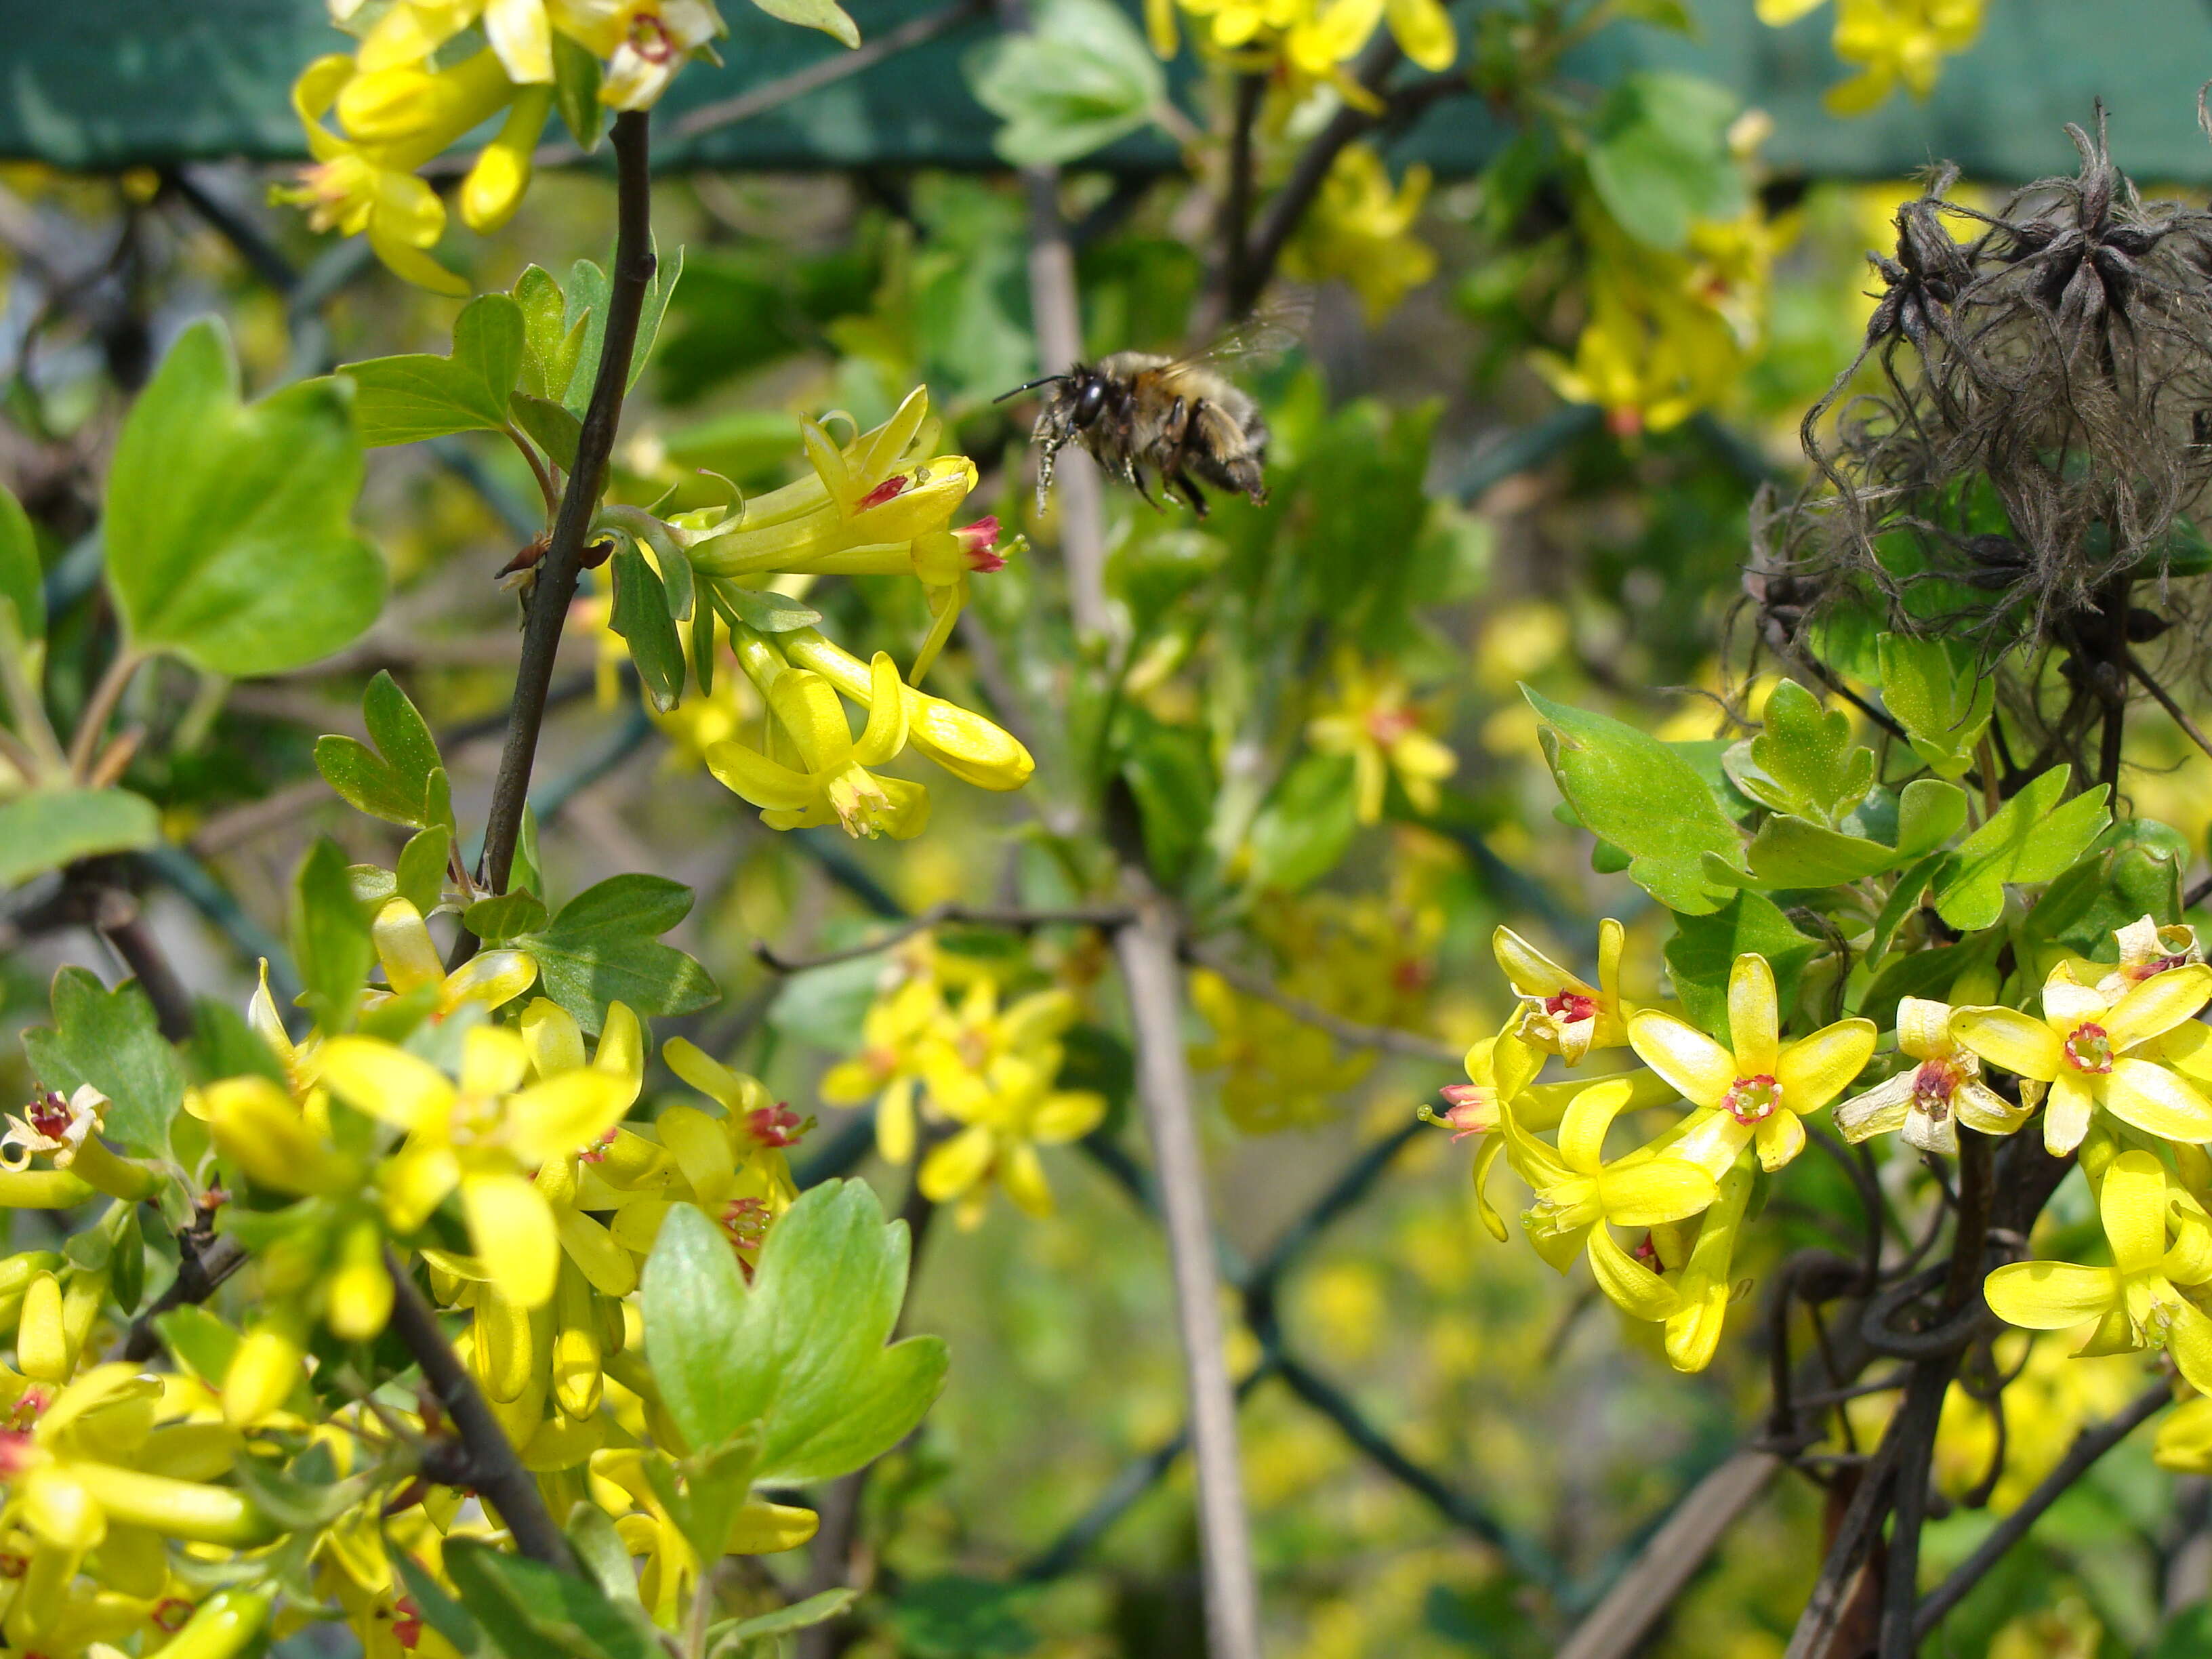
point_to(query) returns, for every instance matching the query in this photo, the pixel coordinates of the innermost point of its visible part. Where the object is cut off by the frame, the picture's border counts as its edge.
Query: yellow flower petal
(954, 1166)
(1627, 1283)
(1779, 1138)
(2066, 1112)
(1698, 1068)
(387, 1083)
(1813, 1071)
(511, 1229)
(762, 1528)
(1583, 1130)
(2158, 1005)
(565, 1115)
(1650, 1193)
(2006, 1037)
(2157, 1101)
(494, 978)
(494, 1060)
(2047, 1296)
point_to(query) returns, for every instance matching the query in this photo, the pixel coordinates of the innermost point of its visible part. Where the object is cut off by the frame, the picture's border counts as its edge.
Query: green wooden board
(105, 84)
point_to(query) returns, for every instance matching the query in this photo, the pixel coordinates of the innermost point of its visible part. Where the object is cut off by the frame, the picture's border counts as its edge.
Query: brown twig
(2165, 698)
(100, 708)
(1237, 193)
(198, 1273)
(1147, 952)
(2088, 1446)
(494, 1469)
(1388, 1038)
(1014, 920)
(558, 570)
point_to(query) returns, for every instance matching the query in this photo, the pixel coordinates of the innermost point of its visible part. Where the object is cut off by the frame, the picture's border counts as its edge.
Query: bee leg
(1189, 491)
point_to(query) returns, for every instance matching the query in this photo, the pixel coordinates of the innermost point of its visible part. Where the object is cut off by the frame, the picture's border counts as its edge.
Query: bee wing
(1265, 335)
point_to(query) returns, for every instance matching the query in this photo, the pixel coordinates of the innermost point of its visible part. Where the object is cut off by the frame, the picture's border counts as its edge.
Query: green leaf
(585, 311)
(1928, 813)
(1703, 952)
(603, 946)
(127, 1282)
(800, 1615)
(703, 649)
(591, 1535)
(549, 426)
(508, 916)
(421, 876)
(393, 782)
(576, 77)
(402, 736)
(1904, 899)
(1940, 695)
(523, 1605)
(406, 399)
(1081, 78)
(640, 616)
(440, 1611)
(199, 1342)
(823, 14)
(958, 1617)
(667, 271)
(49, 828)
(546, 330)
(330, 941)
(1632, 790)
(364, 782)
(111, 1040)
(802, 1352)
(771, 613)
(1928, 973)
(1170, 772)
(227, 529)
(2030, 838)
(2134, 870)
(1661, 161)
(1306, 825)
(1788, 852)
(1804, 764)
(224, 1045)
(22, 573)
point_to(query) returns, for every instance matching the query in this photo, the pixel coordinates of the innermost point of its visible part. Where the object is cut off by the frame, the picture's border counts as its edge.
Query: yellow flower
(1360, 231)
(1703, 1286)
(993, 1073)
(1648, 357)
(65, 1133)
(1579, 1196)
(1373, 719)
(365, 182)
(519, 31)
(489, 979)
(889, 1067)
(2134, 1300)
(2080, 1049)
(485, 1138)
(1893, 41)
(963, 743)
(1313, 37)
(1758, 1091)
(1561, 1014)
(2146, 950)
(645, 42)
(1930, 1099)
(813, 771)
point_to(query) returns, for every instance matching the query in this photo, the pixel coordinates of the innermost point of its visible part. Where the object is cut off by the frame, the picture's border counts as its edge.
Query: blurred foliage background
(1469, 493)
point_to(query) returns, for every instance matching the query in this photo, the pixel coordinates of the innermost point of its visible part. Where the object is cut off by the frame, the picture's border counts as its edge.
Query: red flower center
(407, 1621)
(597, 1151)
(650, 40)
(1753, 1099)
(1572, 1007)
(775, 1126)
(50, 1115)
(2089, 1049)
(1933, 1086)
(170, 1613)
(888, 490)
(745, 1220)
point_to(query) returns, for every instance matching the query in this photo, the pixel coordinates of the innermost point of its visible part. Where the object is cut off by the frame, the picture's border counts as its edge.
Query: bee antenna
(1049, 379)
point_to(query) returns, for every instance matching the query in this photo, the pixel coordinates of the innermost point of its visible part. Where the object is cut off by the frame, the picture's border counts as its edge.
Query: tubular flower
(394, 121)
(491, 979)
(66, 1133)
(2080, 1049)
(1579, 1195)
(2147, 949)
(1561, 1014)
(1929, 1100)
(2134, 1301)
(813, 771)
(484, 1138)
(519, 32)
(1758, 1091)
(964, 744)
(1360, 231)
(1374, 720)
(888, 1070)
(1499, 1070)
(1703, 1284)
(645, 42)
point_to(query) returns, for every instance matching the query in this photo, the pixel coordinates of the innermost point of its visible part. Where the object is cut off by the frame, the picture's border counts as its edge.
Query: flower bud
(506, 1353)
(16, 1273)
(576, 1374)
(494, 187)
(42, 1350)
(220, 1626)
(256, 1127)
(360, 1295)
(264, 1370)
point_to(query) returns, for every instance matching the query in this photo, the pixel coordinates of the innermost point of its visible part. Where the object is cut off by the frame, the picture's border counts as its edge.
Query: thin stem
(537, 469)
(495, 1470)
(1236, 195)
(121, 921)
(1146, 951)
(1388, 1039)
(2088, 1446)
(558, 570)
(1014, 920)
(92, 725)
(2174, 710)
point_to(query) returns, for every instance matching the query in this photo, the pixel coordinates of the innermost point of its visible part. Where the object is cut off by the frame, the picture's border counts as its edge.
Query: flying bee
(1181, 417)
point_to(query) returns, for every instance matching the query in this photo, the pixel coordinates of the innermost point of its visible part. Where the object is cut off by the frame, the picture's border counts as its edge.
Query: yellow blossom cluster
(375, 118)
(1312, 39)
(950, 1062)
(2113, 1060)
(1360, 231)
(881, 505)
(459, 1132)
(1893, 43)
